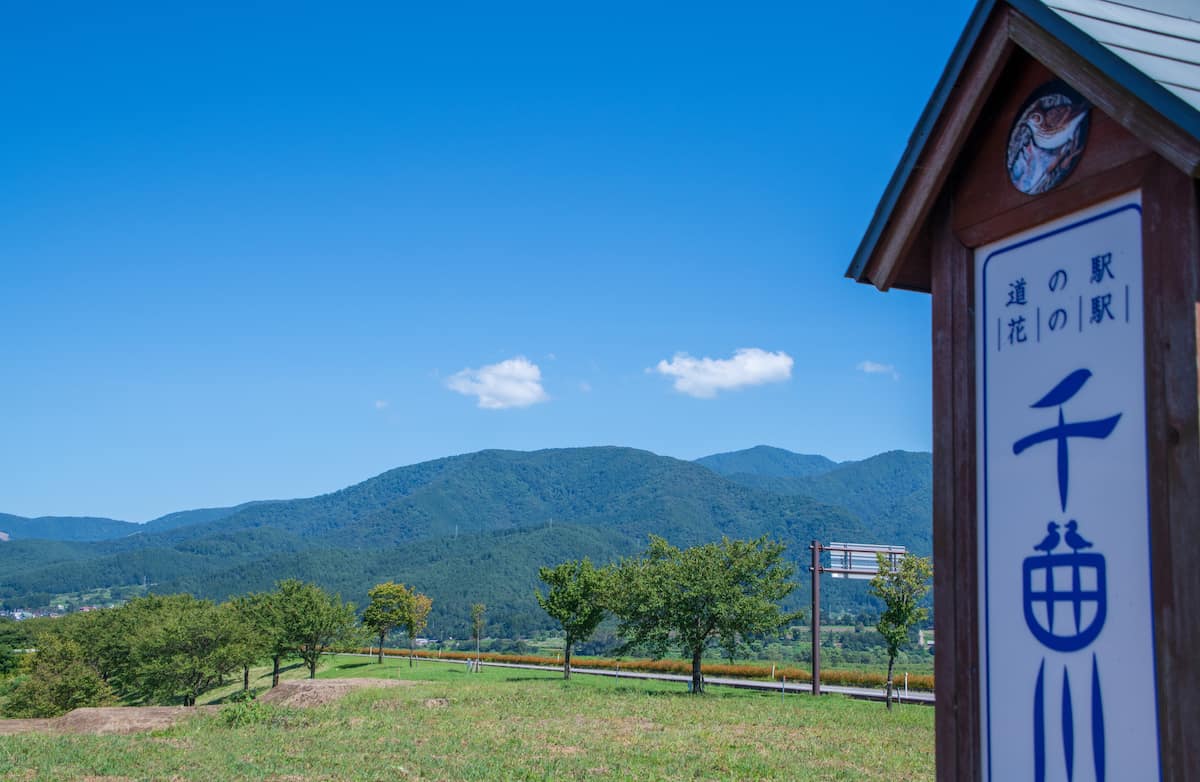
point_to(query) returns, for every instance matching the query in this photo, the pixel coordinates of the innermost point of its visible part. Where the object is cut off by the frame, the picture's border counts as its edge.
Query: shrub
(254, 712)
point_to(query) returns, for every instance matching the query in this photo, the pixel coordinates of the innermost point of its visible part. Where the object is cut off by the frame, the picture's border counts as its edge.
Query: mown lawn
(505, 724)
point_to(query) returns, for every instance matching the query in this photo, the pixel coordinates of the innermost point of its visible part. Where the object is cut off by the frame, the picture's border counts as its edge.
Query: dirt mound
(105, 720)
(125, 719)
(10, 727)
(303, 693)
(135, 719)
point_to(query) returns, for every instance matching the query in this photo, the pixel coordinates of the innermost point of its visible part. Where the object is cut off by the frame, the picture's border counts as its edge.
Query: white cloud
(875, 368)
(516, 382)
(704, 377)
(381, 404)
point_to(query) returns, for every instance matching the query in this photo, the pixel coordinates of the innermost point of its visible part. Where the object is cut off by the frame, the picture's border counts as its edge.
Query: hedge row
(871, 679)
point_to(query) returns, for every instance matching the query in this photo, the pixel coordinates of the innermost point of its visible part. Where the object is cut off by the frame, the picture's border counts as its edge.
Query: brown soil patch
(137, 719)
(107, 720)
(436, 703)
(10, 727)
(304, 693)
(125, 719)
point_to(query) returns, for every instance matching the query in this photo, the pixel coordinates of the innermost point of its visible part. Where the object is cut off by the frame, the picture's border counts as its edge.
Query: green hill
(464, 529)
(891, 494)
(66, 528)
(767, 461)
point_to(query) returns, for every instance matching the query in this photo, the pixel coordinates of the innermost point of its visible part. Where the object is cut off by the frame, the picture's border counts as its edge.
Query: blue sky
(254, 250)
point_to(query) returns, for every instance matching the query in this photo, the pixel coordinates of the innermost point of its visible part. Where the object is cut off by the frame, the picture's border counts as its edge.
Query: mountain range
(475, 528)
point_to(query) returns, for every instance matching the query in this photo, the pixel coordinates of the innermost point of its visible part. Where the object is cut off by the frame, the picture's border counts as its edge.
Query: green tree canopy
(312, 620)
(189, 647)
(251, 643)
(396, 606)
(718, 592)
(574, 601)
(901, 591)
(8, 660)
(414, 622)
(264, 612)
(59, 680)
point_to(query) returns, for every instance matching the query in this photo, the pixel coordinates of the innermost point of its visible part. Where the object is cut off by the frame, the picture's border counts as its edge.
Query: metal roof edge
(920, 134)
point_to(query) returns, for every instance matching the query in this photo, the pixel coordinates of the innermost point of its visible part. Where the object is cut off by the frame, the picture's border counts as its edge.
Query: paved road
(862, 693)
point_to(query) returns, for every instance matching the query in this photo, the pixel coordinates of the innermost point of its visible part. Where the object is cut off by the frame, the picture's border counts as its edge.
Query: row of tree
(717, 594)
(175, 647)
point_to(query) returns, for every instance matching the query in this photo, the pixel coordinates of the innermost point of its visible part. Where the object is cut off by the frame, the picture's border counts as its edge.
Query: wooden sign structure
(1048, 202)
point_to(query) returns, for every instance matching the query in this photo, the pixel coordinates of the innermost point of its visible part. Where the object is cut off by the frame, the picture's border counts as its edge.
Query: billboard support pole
(816, 617)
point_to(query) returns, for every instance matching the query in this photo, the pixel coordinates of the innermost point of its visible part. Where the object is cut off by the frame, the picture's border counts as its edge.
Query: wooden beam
(955, 508)
(1135, 116)
(1171, 247)
(941, 150)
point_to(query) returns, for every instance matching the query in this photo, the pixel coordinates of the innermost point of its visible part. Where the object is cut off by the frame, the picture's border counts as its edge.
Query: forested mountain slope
(464, 529)
(891, 493)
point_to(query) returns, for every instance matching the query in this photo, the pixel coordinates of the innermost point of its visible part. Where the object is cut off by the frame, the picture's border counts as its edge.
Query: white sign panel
(861, 558)
(1067, 628)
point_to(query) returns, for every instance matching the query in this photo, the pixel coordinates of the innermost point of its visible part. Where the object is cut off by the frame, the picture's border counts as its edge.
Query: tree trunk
(567, 661)
(412, 649)
(381, 635)
(891, 662)
(245, 677)
(697, 676)
(275, 671)
(312, 669)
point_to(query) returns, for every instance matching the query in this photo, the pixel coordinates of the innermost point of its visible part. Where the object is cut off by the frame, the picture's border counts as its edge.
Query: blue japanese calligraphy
(1101, 265)
(1016, 292)
(1057, 397)
(1101, 306)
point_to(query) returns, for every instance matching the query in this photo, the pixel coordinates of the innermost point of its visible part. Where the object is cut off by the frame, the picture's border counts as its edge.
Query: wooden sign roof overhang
(1161, 108)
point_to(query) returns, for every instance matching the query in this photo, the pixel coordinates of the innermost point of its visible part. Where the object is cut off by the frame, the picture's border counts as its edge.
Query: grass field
(504, 724)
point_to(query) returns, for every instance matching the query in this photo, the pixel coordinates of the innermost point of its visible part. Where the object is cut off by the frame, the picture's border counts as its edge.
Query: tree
(901, 591)
(390, 605)
(313, 620)
(477, 624)
(573, 601)
(105, 638)
(265, 614)
(250, 643)
(189, 647)
(718, 592)
(59, 680)
(414, 622)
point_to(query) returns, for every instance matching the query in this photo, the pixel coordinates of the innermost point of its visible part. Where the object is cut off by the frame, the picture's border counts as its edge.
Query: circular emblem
(1048, 138)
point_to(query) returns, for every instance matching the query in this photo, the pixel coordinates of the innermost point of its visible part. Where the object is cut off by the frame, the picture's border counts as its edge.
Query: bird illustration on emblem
(1050, 542)
(1074, 539)
(1048, 138)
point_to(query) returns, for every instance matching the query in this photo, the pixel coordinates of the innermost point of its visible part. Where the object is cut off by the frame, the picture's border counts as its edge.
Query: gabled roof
(1148, 49)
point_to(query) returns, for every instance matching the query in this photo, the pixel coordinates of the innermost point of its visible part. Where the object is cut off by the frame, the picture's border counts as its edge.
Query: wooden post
(816, 617)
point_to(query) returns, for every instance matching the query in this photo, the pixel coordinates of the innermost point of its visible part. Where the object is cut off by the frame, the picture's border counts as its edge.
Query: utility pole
(816, 617)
